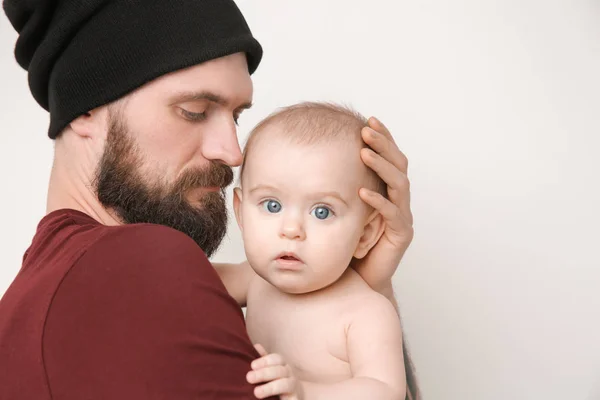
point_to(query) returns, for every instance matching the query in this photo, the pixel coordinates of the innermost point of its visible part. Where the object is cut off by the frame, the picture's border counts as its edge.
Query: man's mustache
(214, 175)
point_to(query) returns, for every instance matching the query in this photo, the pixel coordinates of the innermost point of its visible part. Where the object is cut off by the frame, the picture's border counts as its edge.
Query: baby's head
(298, 203)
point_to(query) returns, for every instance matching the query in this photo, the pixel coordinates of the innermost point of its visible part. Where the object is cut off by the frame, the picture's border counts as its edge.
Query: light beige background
(496, 104)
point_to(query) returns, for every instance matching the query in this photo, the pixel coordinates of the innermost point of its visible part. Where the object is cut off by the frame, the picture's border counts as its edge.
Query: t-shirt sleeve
(144, 315)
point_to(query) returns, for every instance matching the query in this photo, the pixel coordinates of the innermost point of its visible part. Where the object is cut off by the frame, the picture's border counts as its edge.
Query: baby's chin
(294, 283)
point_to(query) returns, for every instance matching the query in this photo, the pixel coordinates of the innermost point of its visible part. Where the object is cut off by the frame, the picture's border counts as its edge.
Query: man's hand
(277, 375)
(386, 159)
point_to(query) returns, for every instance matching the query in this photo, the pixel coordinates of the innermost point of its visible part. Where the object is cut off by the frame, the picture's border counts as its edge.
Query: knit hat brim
(83, 54)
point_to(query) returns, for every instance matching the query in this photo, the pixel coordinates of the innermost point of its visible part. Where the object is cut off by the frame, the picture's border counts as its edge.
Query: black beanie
(81, 54)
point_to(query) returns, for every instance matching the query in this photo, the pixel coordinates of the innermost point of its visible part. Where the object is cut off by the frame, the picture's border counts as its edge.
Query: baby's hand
(280, 381)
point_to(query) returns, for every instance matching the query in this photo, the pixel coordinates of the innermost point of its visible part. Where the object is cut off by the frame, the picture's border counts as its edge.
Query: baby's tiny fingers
(260, 349)
(268, 374)
(268, 360)
(274, 388)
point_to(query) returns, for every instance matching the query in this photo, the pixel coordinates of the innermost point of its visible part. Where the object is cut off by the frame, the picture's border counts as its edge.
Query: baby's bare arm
(374, 341)
(236, 278)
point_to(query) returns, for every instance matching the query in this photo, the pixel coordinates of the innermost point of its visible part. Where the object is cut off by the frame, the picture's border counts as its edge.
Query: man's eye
(192, 116)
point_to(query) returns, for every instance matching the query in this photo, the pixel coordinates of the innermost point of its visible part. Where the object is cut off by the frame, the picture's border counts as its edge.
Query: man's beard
(122, 188)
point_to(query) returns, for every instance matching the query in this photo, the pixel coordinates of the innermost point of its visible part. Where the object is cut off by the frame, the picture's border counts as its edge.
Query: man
(116, 298)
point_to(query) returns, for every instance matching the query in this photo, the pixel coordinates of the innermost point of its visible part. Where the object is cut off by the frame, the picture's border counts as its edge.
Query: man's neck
(71, 189)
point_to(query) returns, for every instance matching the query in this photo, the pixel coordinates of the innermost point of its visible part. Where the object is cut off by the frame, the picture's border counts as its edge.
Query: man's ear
(237, 204)
(372, 231)
(92, 123)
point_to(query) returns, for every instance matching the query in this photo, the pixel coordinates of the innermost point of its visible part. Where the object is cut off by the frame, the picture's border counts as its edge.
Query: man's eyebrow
(209, 96)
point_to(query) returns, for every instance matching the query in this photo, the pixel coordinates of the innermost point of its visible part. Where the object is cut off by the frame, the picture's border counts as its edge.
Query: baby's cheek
(252, 245)
(257, 248)
(339, 247)
(253, 227)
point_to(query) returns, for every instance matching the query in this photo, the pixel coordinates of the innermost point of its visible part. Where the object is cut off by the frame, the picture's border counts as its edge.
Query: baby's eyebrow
(262, 187)
(333, 194)
(319, 195)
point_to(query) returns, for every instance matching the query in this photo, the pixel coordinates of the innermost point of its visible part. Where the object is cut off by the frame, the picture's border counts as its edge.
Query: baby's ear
(372, 231)
(237, 204)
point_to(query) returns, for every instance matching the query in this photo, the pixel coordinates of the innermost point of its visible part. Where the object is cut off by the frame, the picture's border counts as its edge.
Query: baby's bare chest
(310, 336)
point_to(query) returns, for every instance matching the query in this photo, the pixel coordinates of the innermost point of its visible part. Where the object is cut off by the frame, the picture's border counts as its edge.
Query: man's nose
(221, 143)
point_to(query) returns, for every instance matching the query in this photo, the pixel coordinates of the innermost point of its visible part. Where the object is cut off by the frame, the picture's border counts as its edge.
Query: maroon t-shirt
(133, 312)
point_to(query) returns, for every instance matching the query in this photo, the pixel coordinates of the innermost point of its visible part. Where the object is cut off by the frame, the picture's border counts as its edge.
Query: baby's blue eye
(321, 212)
(272, 206)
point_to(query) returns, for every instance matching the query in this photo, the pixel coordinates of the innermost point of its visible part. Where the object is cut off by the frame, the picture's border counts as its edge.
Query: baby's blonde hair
(315, 123)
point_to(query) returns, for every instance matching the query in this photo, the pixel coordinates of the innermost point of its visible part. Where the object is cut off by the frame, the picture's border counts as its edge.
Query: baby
(327, 334)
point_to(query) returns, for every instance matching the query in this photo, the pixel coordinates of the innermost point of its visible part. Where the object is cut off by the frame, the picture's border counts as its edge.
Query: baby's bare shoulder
(357, 291)
(372, 302)
(356, 301)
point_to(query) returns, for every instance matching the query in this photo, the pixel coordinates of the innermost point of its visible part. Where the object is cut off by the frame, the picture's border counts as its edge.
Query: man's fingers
(376, 124)
(268, 374)
(385, 207)
(394, 216)
(274, 388)
(386, 147)
(396, 180)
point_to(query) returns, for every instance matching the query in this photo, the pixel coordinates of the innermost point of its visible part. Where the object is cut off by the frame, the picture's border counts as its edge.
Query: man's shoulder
(144, 270)
(145, 234)
(74, 233)
(145, 241)
(144, 310)
(147, 267)
(144, 252)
